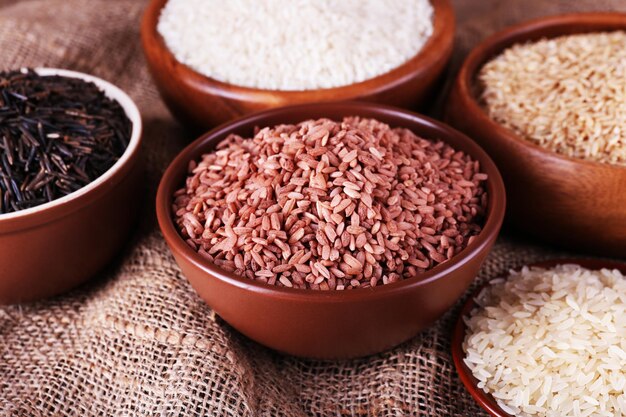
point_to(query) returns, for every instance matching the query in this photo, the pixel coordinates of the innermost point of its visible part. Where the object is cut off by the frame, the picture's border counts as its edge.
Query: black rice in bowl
(57, 134)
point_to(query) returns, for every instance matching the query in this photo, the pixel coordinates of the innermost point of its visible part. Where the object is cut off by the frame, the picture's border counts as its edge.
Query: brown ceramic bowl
(332, 324)
(569, 202)
(485, 400)
(48, 249)
(204, 102)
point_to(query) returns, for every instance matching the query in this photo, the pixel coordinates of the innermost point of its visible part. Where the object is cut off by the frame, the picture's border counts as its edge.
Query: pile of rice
(567, 94)
(329, 205)
(552, 342)
(295, 44)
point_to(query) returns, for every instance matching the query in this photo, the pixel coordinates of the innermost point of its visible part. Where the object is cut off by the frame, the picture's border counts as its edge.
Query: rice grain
(550, 342)
(281, 216)
(566, 94)
(295, 45)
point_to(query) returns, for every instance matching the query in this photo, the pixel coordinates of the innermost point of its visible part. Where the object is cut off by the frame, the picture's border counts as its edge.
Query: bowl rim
(520, 33)
(443, 30)
(485, 400)
(79, 198)
(488, 234)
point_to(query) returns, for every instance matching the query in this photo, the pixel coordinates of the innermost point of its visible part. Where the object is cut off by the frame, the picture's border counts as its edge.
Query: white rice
(552, 342)
(295, 44)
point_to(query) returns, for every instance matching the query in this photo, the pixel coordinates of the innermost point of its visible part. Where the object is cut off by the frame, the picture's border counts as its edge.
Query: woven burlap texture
(137, 341)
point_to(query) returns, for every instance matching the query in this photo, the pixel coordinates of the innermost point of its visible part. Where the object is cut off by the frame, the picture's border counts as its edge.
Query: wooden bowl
(203, 102)
(331, 324)
(569, 202)
(51, 248)
(485, 400)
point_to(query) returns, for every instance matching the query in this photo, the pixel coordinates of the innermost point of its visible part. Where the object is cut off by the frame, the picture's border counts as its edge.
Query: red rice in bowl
(331, 205)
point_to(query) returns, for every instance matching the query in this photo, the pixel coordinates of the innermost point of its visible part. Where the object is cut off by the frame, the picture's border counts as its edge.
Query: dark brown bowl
(485, 400)
(569, 202)
(48, 249)
(331, 324)
(204, 102)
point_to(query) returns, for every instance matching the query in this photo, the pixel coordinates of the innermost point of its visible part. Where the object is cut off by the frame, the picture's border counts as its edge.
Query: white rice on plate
(551, 342)
(295, 44)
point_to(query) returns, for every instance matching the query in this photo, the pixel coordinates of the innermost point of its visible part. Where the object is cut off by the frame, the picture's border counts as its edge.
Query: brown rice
(567, 94)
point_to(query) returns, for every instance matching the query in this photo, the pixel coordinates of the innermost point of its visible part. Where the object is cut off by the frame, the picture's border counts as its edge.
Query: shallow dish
(50, 248)
(566, 201)
(485, 400)
(204, 102)
(331, 324)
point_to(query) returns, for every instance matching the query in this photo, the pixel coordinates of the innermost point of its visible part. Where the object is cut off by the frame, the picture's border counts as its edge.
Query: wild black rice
(57, 134)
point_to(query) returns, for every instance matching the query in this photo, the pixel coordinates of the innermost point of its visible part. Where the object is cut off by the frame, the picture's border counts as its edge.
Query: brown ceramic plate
(331, 324)
(50, 248)
(569, 202)
(205, 102)
(485, 400)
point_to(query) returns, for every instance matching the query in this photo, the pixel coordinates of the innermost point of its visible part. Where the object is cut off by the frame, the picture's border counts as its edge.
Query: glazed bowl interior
(46, 211)
(199, 100)
(173, 179)
(485, 400)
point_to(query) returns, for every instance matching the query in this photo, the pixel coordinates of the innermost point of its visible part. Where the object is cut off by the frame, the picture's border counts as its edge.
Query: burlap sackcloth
(137, 340)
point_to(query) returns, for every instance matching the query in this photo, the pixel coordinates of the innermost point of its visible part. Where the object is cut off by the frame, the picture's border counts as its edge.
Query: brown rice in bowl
(566, 94)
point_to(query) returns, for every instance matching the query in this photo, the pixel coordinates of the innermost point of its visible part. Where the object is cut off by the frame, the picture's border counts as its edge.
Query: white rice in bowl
(295, 44)
(551, 342)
